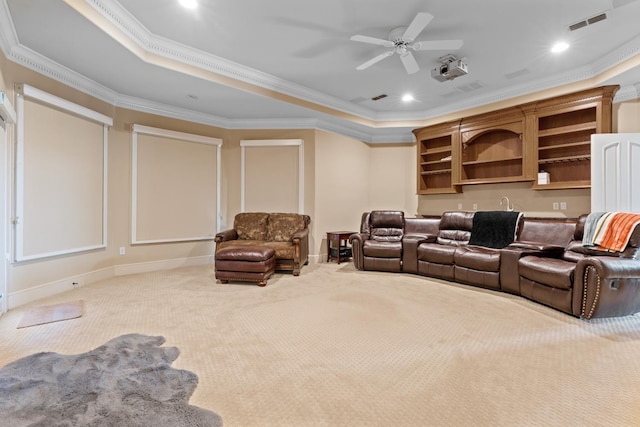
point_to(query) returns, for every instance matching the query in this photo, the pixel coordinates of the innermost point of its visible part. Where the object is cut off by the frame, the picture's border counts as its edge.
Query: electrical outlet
(122, 250)
(475, 206)
(563, 206)
(556, 206)
(459, 205)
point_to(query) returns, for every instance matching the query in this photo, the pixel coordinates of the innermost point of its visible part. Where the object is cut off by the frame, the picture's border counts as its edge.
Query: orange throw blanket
(613, 230)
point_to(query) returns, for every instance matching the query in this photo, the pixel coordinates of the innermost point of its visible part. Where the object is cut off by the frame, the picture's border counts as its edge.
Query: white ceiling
(291, 63)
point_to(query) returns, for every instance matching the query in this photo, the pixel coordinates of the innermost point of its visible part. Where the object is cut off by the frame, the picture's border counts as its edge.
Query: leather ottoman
(245, 263)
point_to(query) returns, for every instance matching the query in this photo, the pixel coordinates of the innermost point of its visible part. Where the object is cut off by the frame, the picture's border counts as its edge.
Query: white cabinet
(615, 172)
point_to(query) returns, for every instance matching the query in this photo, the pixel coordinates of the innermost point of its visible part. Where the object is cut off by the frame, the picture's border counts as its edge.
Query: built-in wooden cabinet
(437, 147)
(564, 128)
(515, 144)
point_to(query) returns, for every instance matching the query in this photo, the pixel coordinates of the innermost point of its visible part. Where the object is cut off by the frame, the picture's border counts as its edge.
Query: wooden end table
(341, 250)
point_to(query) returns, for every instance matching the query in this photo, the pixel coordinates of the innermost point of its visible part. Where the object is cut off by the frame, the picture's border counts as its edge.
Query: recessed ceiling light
(560, 47)
(408, 97)
(189, 4)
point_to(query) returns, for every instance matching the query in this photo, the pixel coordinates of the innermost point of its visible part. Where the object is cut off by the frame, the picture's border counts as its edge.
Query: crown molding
(34, 61)
(395, 124)
(8, 35)
(113, 11)
(627, 93)
(127, 24)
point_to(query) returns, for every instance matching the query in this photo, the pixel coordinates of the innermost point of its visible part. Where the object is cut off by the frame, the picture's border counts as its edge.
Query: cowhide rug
(128, 381)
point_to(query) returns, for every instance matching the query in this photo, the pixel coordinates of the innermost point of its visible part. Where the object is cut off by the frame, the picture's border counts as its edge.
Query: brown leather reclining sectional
(546, 262)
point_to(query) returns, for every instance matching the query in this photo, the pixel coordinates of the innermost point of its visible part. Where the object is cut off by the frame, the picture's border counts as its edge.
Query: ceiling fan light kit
(401, 40)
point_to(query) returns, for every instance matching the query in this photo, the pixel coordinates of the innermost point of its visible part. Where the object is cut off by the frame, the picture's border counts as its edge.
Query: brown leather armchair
(378, 246)
(584, 282)
(286, 233)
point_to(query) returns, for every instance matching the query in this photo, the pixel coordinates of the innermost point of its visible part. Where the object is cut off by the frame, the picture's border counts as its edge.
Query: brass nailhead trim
(584, 292)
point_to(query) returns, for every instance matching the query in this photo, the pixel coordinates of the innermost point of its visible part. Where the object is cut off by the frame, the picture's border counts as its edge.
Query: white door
(615, 184)
(3, 217)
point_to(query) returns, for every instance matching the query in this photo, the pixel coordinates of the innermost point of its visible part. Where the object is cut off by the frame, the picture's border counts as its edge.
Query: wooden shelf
(562, 185)
(565, 126)
(436, 150)
(443, 190)
(435, 172)
(570, 145)
(588, 126)
(435, 162)
(494, 180)
(485, 162)
(564, 159)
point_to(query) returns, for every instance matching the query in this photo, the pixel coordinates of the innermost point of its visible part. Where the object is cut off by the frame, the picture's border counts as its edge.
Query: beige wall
(343, 177)
(231, 163)
(487, 197)
(342, 189)
(392, 178)
(626, 116)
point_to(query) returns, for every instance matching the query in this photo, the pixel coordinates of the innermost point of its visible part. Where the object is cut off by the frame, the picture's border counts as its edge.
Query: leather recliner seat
(582, 277)
(436, 259)
(381, 244)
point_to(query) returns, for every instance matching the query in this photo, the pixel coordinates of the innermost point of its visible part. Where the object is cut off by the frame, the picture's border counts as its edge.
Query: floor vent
(588, 21)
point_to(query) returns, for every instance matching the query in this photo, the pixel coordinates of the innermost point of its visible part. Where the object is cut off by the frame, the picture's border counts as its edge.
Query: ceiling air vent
(588, 21)
(577, 25)
(598, 18)
(379, 97)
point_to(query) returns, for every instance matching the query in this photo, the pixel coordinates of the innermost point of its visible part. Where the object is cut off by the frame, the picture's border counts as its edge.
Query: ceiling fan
(401, 39)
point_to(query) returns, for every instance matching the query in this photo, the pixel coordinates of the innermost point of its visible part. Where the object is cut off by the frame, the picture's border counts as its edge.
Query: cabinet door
(614, 185)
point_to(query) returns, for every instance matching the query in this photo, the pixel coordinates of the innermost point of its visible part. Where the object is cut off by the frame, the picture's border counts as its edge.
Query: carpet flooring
(339, 347)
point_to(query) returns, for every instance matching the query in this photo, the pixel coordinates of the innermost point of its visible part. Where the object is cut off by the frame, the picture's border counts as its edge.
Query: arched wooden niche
(494, 154)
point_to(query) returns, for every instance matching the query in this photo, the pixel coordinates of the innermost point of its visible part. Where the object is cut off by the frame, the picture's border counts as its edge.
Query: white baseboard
(15, 299)
(167, 264)
(315, 259)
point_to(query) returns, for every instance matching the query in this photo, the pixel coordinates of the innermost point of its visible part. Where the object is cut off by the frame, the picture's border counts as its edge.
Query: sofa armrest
(509, 256)
(410, 243)
(225, 235)
(301, 234)
(300, 240)
(541, 248)
(606, 286)
(357, 241)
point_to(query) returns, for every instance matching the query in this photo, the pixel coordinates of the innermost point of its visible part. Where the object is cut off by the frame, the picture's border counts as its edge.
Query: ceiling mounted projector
(450, 68)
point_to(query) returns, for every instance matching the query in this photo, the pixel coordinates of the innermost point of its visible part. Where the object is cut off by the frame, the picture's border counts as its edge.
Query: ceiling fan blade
(372, 61)
(409, 63)
(372, 40)
(421, 20)
(437, 45)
